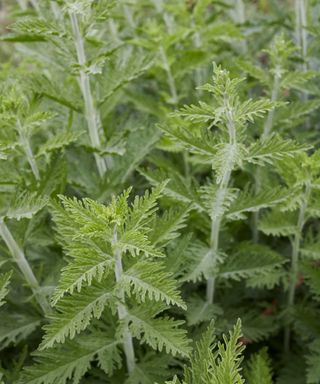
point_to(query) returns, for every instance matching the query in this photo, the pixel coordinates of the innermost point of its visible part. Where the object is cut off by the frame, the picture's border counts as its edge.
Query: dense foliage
(159, 192)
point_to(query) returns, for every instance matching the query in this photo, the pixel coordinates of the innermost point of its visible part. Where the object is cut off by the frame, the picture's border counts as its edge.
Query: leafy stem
(267, 129)
(22, 4)
(35, 5)
(20, 258)
(170, 78)
(240, 18)
(295, 259)
(301, 32)
(28, 150)
(221, 196)
(122, 312)
(92, 115)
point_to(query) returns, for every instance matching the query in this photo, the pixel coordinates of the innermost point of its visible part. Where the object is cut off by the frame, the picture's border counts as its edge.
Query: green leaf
(313, 367)
(152, 368)
(167, 227)
(149, 279)
(178, 188)
(277, 223)
(252, 109)
(200, 262)
(4, 286)
(25, 205)
(58, 141)
(249, 260)
(201, 113)
(199, 144)
(254, 202)
(253, 70)
(161, 333)
(137, 243)
(229, 358)
(89, 260)
(74, 313)
(72, 360)
(37, 27)
(259, 368)
(311, 274)
(266, 151)
(143, 208)
(15, 327)
(200, 369)
(201, 311)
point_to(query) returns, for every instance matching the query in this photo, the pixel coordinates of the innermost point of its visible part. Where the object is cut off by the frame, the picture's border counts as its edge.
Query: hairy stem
(114, 31)
(28, 150)
(198, 43)
(240, 18)
(129, 17)
(220, 198)
(122, 312)
(301, 32)
(295, 261)
(92, 115)
(169, 25)
(55, 9)
(22, 4)
(267, 129)
(170, 78)
(20, 259)
(35, 5)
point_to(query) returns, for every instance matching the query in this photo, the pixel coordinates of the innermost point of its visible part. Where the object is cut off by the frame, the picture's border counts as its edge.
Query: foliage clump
(159, 192)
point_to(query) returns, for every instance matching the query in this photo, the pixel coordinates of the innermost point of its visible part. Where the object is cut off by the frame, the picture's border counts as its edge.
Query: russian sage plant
(159, 215)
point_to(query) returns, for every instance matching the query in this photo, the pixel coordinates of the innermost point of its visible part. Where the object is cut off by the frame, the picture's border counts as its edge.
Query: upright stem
(122, 312)
(169, 25)
(55, 9)
(22, 4)
(240, 18)
(114, 31)
(219, 199)
(35, 5)
(170, 78)
(267, 129)
(129, 17)
(197, 42)
(92, 115)
(19, 257)
(295, 261)
(301, 32)
(28, 150)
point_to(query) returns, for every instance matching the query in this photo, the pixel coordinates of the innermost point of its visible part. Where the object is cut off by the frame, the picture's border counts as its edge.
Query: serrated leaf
(152, 281)
(74, 314)
(277, 223)
(72, 360)
(160, 333)
(248, 260)
(167, 227)
(266, 151)
(15, 327)
(26, 205)
(4, 286)
(250, 202)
